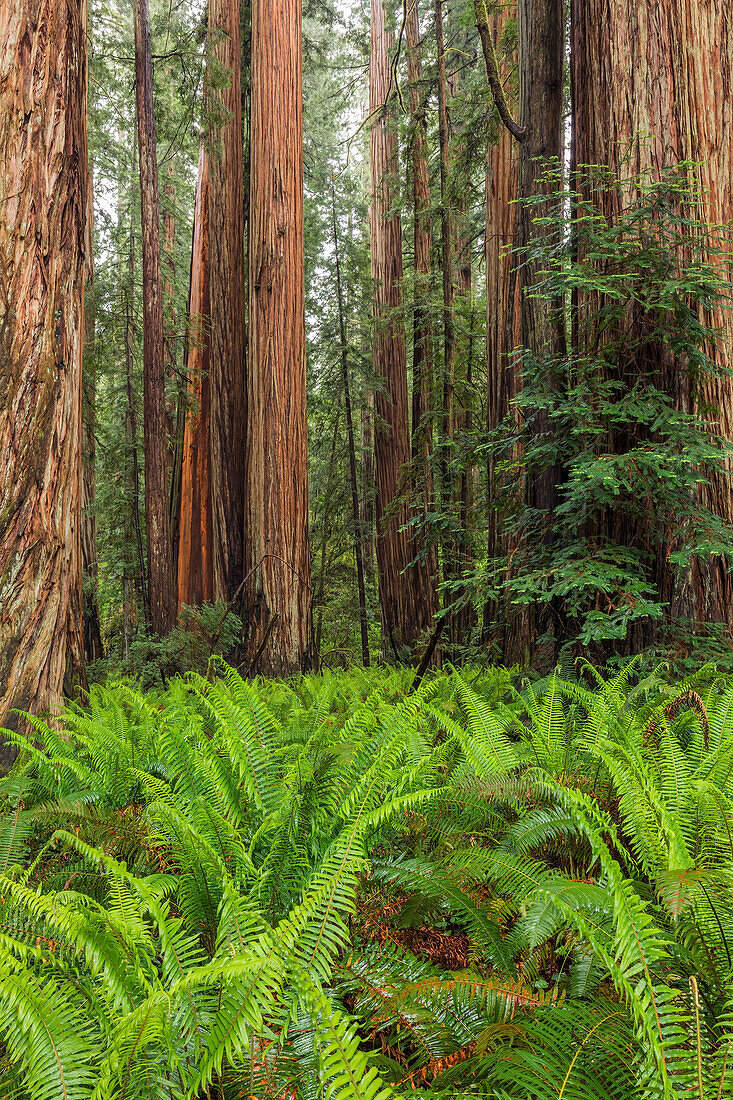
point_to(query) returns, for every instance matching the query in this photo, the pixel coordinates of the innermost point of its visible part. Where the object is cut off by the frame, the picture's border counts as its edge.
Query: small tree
(632, 450)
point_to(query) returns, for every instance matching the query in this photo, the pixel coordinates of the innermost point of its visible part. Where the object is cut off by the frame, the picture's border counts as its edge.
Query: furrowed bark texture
(653, 82)
(162, 611)
(405, 612)
(93, 648)
(195, 580)
(276, 521)
(227, 296)
(43, 199)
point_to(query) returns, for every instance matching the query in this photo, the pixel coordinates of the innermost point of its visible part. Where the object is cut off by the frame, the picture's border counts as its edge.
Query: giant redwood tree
(652, 82)
(277, 593)
(160, 586)
(405, 611)
(43, 199)
(226, 297)
(195, 568)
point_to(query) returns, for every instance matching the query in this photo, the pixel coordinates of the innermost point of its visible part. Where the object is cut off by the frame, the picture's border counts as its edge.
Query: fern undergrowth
(338, 888)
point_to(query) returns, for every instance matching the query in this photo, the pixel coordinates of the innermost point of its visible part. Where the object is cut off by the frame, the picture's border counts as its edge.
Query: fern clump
(337, 887)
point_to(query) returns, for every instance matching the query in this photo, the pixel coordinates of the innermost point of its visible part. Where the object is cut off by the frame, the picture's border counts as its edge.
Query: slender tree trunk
(462, 552)
(502, 334)
(169, 309)
(367, 486)
(43, 198)
(93, 648)
(446, 241)
(227, 273)
(132, 579)
(422, 335)
(404, 611)
(320, 600)
(195, 577)
(652, 83)
(277, 437)
(162, 611)
(541, 26)
(542, 56)
(363, 623)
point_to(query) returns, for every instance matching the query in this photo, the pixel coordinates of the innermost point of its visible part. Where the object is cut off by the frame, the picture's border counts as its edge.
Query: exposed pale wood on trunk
(195, 580)
(162, 611)
(276, 520)
(43, 198)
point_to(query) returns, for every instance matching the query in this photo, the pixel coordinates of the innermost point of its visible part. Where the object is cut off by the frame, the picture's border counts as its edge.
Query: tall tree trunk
(502, 332)
(446, 240)
(195, 574)
(652, 83)
(404, 611)
(43, 198)
(93, 648)
(422, 335)
(462, 554)
(361, 591)
(134, 579)
(541, 61)
(367, 485)
(162, 611)
(276, 522)
(227, 271)
(169, 310)
(541, 28)
(320, 598)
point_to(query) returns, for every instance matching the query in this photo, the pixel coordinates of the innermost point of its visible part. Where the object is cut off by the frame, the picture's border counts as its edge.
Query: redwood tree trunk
(195, 576)
(227, 273)
(162, 610)
(502, 328)
(276, 522)
(422, 335)
(404, 611)
(169, 306)
(653, 80)
(43, 198)
(93, 648)
(541, 61)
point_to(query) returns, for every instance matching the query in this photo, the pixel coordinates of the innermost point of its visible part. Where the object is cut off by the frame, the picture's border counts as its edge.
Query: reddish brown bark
(195, 580)
(43, 198)
(162, 611)
(93, 648)
(169, 309)
(276, 522)
(404, 611)
(227, 293)
(422, 336)
(652, 83)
